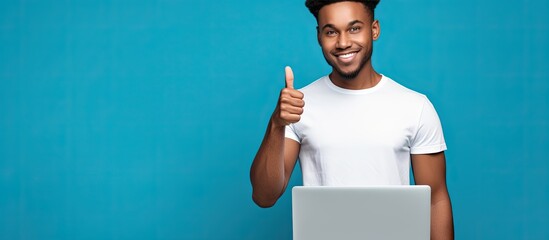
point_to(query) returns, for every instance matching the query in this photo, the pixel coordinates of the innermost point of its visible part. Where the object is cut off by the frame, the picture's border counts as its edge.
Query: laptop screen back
(375, 212)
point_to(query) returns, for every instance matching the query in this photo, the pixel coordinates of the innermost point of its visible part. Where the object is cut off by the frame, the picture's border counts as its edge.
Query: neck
(366, 78)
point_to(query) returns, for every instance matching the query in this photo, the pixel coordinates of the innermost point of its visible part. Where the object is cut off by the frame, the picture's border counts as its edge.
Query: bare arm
(430, 169)
(277, 155)
(272, 166)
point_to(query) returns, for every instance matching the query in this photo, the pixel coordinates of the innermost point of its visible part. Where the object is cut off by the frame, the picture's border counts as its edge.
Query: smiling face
(345, 33)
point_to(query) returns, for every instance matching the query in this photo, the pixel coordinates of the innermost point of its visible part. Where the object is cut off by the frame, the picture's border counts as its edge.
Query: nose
(343, 41)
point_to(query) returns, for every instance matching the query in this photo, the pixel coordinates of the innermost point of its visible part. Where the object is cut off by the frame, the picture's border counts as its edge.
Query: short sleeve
(291, 133)
(429, 137)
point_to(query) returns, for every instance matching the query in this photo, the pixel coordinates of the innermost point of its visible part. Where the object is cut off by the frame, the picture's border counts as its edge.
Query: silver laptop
(375, 212)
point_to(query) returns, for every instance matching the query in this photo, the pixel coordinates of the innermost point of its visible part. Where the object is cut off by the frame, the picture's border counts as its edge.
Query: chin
(348, 75)
(347, 72)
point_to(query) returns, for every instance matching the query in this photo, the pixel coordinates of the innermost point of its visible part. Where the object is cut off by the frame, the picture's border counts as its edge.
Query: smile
(346, 57)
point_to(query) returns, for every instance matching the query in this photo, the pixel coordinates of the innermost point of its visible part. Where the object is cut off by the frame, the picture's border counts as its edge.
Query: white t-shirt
(363, 137)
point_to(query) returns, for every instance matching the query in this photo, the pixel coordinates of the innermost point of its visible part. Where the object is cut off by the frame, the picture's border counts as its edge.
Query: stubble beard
(354, 73)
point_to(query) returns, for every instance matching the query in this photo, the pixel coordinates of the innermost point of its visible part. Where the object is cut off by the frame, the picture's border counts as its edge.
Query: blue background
(140, 119)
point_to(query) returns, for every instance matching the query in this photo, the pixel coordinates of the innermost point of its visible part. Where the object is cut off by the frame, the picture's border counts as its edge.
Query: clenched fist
(290, 103)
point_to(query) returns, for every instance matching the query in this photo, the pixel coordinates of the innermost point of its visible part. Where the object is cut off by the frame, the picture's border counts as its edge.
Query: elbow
(440, 195)
(264, 202)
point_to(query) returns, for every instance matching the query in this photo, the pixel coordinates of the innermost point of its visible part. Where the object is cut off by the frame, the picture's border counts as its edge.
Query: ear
(376, 30)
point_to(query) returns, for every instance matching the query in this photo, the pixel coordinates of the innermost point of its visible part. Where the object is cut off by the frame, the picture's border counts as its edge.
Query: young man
(358, 126)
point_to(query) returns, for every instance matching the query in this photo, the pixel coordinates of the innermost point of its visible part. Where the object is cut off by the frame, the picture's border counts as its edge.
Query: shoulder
(316, 85)
(403, 92)
(405, 98)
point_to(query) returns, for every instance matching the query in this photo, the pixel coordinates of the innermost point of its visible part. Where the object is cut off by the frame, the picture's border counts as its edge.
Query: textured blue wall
(140, 119)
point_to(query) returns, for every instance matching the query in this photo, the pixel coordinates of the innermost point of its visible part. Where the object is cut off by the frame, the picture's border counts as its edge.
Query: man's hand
(290, 103)
(276, 158)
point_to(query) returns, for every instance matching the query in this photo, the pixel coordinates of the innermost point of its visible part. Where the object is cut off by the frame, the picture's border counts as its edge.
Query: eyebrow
(329, 25)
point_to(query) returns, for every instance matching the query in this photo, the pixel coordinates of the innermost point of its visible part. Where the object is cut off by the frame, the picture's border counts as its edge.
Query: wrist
(276, 123)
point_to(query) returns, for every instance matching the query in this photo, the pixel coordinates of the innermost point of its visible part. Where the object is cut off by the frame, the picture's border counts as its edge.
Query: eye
(354, 29)
(331, 33)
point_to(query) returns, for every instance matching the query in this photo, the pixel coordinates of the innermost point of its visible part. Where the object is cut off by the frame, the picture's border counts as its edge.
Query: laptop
(373, 212)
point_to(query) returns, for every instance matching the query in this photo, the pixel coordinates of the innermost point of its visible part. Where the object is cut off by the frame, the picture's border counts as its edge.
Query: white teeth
(348, 55)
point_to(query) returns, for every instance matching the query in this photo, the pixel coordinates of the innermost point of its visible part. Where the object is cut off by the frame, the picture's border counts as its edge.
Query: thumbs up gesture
(290, 103)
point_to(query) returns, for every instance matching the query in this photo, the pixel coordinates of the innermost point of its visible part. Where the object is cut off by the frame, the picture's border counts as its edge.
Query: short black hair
(314, 6)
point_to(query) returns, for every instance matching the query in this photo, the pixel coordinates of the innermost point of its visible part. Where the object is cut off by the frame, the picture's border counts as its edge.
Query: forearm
(267, 172)
(442, 226)
(275, 159)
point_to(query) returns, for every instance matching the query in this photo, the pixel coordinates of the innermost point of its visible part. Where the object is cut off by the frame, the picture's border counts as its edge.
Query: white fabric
(363, 137)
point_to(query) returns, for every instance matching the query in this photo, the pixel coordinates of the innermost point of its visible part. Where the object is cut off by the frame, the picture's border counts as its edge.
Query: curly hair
(314, 6)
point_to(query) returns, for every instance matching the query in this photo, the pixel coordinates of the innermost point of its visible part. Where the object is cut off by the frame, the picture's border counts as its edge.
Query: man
(358, 126)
